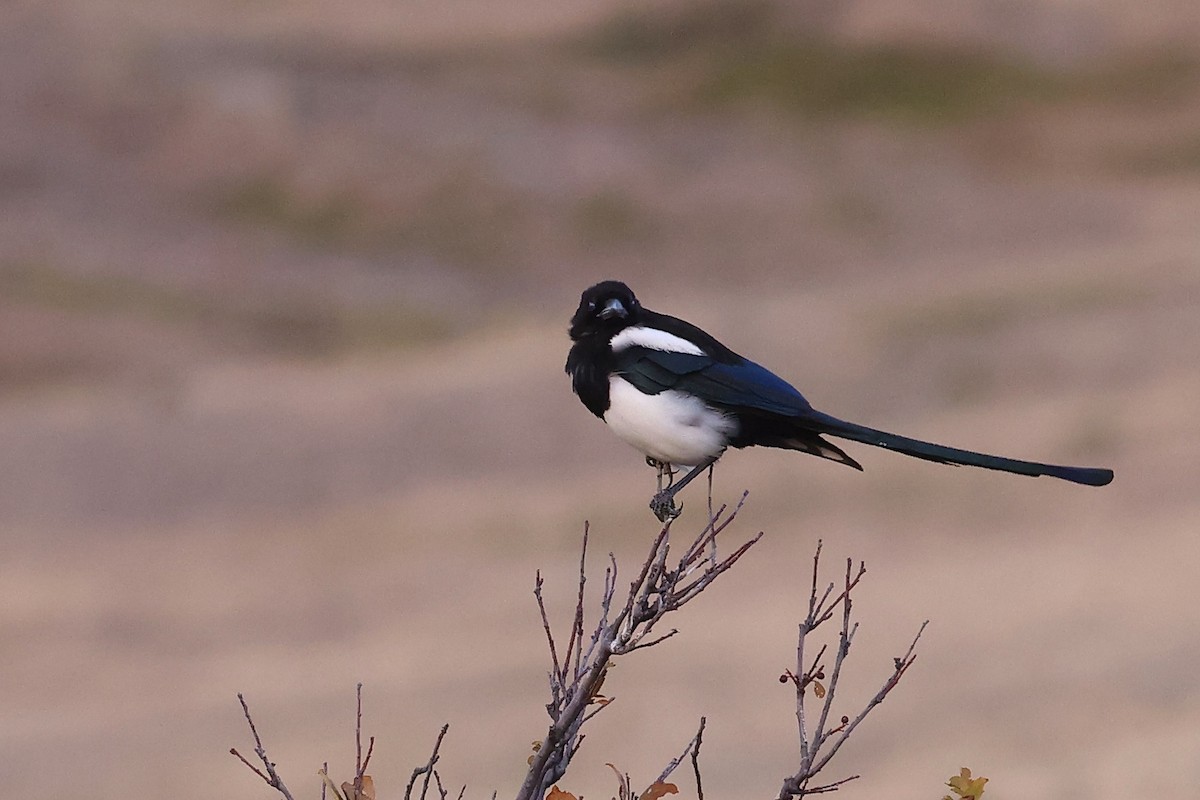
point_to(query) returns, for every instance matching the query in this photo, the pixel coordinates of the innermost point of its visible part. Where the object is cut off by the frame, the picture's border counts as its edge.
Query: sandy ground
(241, 456)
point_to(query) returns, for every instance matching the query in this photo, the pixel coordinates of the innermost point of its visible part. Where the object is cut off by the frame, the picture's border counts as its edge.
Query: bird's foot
(663, 506)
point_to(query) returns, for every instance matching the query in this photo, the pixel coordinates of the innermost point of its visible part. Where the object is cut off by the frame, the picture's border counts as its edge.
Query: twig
(271, 776)
(624, 627)
(819, 745)
(575, 643)
(358, 759)
(557, 675)
(426, 769)
(692, 748)
(360, 763)
(441, 790)
(696, 760)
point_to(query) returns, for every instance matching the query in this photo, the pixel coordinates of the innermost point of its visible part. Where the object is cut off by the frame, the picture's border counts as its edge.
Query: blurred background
(283, 298)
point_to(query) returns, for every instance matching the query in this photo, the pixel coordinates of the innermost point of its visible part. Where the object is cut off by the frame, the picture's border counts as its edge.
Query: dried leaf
(600, 700)
(367, 792)
(623, 790)
(558, 794)
(536, 747)
(965, 786)
(329, 784)
(818, 689)
(658, 789)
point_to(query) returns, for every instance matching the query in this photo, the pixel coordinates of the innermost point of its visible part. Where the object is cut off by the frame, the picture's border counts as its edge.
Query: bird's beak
(613, 308)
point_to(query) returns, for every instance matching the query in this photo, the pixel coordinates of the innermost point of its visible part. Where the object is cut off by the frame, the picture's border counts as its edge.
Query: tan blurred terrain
(283, 296)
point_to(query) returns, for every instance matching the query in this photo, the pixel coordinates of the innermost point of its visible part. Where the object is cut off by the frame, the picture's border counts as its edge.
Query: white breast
(671, 426)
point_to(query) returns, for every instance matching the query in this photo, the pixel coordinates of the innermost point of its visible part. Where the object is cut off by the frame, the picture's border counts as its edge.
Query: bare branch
(271, 776)
(358, 759)
(558, 677)
(831, 787)
(426, 769)
(696, 759)
(441, 790)
(575, 643)
(692, 749)
(821, 743)
(233, 752)
(901, 666)
(659, 588)
(652, 642)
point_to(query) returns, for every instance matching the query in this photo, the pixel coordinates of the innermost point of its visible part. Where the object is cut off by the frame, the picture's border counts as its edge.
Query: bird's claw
(663, 506)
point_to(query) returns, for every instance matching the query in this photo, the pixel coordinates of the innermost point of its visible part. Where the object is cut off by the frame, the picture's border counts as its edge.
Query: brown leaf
(600, 700)
(818, 689)
(367, 792)
(536, 747)
(658, 789)
(558, 794)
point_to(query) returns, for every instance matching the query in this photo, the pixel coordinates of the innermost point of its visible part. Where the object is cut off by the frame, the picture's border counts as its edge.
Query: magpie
(682, 398)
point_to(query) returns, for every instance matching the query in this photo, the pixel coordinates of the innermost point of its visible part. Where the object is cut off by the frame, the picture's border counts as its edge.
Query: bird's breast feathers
(671, 426)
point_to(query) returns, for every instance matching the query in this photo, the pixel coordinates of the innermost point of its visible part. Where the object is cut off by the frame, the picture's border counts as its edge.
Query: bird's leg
(664, 468)
(663, 503)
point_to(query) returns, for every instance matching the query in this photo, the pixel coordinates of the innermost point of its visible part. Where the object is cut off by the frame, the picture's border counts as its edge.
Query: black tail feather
(832, 426)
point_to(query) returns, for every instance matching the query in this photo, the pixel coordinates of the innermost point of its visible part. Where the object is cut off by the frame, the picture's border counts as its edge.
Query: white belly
(671, 427)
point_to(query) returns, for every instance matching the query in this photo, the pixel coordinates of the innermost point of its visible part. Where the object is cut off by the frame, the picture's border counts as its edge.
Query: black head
(605, 309)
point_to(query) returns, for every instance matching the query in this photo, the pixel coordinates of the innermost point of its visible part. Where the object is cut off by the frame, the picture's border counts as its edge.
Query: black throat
(589, 364)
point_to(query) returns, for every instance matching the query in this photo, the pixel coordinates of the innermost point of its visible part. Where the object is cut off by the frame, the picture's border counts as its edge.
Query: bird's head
(604, 310)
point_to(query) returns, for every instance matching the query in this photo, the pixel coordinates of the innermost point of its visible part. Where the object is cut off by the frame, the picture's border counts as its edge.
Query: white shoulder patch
(653, 339)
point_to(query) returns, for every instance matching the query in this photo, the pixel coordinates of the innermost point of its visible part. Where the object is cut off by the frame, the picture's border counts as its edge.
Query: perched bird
(681, 398)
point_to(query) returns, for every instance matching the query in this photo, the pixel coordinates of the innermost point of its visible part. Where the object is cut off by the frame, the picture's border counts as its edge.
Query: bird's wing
(739, 385)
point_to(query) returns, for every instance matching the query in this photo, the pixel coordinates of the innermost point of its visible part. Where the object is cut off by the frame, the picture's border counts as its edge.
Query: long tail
(823, 423)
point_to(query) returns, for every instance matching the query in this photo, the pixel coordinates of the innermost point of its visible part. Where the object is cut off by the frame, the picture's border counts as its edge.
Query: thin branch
(901, 666)
(819, 745)
(652, 642)
(831, 787)
(367, 760)
(696, 759)
(575, 643)
(358, 759)
(692, 747)
(233, 752)
(271, 776)
(558, 676)
(845, 638)
(441, 790)
(426, 769)
(659, 588)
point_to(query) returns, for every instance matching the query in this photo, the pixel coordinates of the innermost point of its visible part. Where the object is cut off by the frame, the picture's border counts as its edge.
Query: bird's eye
(591, 305)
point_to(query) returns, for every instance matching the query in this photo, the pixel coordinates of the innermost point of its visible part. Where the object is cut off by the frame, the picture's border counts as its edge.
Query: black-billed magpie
(681, 398)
